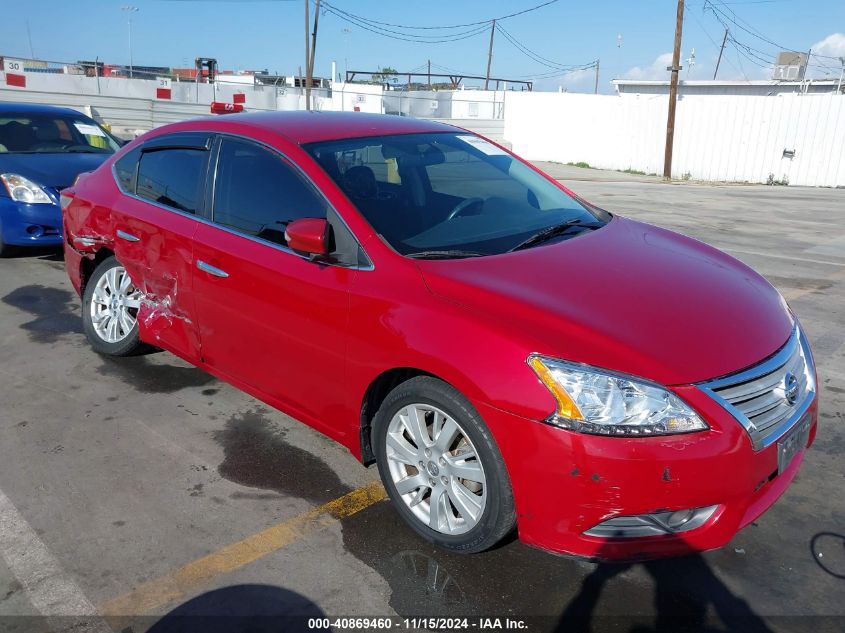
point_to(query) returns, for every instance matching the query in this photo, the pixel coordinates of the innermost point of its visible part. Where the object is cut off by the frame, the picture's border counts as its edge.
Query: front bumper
(566, 483)
(24, 224)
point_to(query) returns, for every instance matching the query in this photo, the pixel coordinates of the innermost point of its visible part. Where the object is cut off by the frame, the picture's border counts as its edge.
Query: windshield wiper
(92, 150)
(444, 254)
(552, 231)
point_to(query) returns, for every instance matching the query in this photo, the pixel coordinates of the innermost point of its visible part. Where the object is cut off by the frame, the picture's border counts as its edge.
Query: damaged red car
(508, 354)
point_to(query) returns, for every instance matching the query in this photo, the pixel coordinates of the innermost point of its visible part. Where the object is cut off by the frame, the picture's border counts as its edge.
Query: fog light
(679, 518)
(654, 524)
(35, 230)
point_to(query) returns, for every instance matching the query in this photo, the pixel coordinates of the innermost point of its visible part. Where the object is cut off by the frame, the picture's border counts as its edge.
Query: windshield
(450, 194)
(54, 134)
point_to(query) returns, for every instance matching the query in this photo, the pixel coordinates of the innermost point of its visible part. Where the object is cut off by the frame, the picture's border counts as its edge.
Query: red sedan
(506, 352)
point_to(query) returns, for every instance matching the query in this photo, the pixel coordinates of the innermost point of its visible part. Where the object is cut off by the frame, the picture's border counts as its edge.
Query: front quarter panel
(395, 322)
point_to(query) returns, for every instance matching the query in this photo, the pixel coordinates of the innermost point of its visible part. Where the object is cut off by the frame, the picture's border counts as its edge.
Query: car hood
(50, 170)
(629, 297)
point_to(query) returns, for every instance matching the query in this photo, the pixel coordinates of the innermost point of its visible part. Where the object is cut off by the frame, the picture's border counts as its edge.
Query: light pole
(346, 33)
(129, 10)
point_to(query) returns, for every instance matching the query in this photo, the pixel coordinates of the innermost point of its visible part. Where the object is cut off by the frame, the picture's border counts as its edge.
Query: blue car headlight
(24, 190)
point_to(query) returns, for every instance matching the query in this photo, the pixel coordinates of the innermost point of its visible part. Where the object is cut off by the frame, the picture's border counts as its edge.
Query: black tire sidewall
(5, 249)
(131, 344)
(498, 518)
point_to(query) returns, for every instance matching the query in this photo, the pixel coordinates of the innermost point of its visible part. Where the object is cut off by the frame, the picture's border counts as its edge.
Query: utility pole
(490, 54)
(596, 91)
(807, 65)
(313, 45)
(673, 92)
(721, 50)
(307, 57)
(429, 74)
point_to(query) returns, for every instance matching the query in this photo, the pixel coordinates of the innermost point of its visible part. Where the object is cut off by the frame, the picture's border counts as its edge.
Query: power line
(449, 70)
(442, 27)
(545, 61)
(406, 37)
(756, 56)
(728, 14)
(756, 2)
(560, 69)
(713, 41)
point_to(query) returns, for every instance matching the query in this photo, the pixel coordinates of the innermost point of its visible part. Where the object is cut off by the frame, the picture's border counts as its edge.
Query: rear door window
(258, 193)
(173, 177)
(126, 170)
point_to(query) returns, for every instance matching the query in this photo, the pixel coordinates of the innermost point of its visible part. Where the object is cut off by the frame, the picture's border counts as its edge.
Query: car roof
(309, 127)
(36, 108)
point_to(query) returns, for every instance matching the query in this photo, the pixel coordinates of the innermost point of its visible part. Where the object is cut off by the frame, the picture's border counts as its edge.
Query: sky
(632, 38)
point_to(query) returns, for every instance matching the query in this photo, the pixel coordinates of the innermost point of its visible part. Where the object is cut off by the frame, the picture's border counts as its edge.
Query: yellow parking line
(166, 589)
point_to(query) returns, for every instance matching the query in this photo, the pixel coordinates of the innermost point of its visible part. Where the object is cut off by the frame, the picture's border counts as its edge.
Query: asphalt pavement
(142, 487)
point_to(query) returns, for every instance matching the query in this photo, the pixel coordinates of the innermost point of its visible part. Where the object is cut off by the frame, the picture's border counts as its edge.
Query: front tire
(110, 307)
(5, 249)
(441, 466)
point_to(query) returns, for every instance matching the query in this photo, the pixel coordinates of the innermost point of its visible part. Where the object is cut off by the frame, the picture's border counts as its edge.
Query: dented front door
(154, 227)
(155, 245)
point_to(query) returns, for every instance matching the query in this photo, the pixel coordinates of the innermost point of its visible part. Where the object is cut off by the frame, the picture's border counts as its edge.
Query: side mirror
(308, 235)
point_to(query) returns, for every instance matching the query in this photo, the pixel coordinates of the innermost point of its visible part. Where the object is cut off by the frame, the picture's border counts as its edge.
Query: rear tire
(110, 307)
(441, 466)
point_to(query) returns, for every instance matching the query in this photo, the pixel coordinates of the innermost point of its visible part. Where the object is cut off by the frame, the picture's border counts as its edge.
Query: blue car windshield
(31, 133)
(446, 195)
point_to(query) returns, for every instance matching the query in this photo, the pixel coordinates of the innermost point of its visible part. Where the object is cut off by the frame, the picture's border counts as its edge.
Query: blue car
(42, 150)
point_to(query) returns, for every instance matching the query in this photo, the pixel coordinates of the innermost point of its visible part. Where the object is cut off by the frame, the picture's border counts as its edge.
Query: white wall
(130, 106)
(447, 104)
(718, 138)
(347, 97)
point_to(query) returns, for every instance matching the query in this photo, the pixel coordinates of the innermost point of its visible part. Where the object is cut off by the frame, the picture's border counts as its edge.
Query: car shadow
(688, 597)
(548, 592)
(45, 253)
(254, 608)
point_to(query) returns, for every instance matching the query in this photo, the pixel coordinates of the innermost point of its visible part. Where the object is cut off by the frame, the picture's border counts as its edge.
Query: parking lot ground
(143, 487)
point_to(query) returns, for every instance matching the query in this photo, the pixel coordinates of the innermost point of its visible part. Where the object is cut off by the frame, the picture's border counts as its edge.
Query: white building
(759, 88)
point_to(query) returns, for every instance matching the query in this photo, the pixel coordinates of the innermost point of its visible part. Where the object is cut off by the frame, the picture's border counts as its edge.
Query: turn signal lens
(566, 407)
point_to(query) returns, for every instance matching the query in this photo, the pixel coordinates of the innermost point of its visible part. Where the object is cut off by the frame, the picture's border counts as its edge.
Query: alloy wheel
(114, 305)
(436, 469)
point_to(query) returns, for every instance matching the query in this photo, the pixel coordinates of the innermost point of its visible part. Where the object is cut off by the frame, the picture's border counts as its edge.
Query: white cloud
(576, 81)
(731, 68)
(577, 77)
(833, 45)
(657, 69)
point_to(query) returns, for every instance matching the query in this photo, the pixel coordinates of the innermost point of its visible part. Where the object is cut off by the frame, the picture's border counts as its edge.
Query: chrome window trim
(210, 222)
(768, 366)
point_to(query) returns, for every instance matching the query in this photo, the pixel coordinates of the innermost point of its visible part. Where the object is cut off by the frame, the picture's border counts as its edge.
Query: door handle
(127, 236)
(211, 270)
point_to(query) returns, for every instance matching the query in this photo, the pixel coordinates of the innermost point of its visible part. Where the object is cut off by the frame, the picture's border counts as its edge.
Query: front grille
(769, 398)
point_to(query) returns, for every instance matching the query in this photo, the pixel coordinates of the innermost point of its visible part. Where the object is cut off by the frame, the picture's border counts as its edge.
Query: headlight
(603, 403)
(24, 190)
